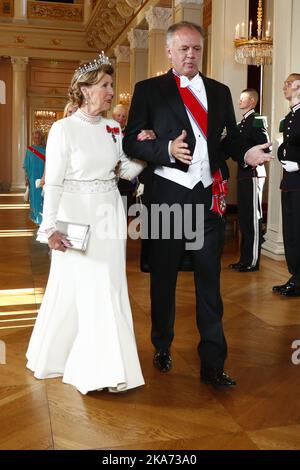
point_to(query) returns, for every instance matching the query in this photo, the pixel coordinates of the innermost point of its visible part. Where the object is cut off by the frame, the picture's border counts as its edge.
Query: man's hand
(256, 155)
(179, 149)
(146, 134)
(289, 166)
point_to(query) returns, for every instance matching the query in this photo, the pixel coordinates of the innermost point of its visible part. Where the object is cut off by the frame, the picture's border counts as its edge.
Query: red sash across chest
(199, 115)
(37, 153)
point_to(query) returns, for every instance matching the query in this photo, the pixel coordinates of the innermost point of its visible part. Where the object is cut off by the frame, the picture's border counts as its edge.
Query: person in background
(70, 108)
(34, 166)
(250, 183)
(289, 157)
(120, 114)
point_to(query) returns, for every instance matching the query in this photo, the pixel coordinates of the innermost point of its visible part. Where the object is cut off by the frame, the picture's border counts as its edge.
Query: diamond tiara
(95, 65)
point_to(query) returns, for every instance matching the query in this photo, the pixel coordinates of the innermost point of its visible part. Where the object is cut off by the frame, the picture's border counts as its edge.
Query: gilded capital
(122, 53)
(19, 63)
(159, 18)
(138, 39)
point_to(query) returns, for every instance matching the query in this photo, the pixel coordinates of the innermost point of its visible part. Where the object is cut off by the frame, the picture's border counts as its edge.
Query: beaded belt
(89, 187)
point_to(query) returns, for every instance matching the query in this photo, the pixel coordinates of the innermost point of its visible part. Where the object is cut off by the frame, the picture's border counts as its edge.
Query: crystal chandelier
(124, 98)
(253, 50)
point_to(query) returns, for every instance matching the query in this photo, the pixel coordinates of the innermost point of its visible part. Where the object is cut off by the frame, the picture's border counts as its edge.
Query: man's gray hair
(183, 25)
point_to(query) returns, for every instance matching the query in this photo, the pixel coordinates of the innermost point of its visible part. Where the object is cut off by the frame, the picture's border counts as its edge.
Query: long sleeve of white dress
(72, 142)
(129, 167)
(56, 165)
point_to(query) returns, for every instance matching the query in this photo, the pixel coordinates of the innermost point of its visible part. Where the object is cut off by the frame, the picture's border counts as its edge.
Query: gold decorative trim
(109, 19)
(56, 42)
(41, 48)
(19, 39)
(207, 13)
(54, 11)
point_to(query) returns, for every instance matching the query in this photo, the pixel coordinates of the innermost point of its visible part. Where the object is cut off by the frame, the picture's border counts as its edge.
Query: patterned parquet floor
(172, 411)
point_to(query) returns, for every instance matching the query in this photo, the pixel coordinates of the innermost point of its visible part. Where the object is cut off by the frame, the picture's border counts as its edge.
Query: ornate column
(20, 11)
(2, 92)
(19, 121)
(159, 19)
(138, 40)
(189, 10)
(122, 81)
(286, 36)
(226, 14)
(87, 10)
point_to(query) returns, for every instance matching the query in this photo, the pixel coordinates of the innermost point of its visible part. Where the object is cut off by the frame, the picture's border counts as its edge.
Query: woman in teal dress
(34, 166)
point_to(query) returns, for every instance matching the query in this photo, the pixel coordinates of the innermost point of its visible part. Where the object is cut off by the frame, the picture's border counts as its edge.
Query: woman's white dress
(84, 329)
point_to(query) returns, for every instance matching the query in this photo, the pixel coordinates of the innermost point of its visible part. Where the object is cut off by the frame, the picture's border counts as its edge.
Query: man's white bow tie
(195, 83)
(184, 81)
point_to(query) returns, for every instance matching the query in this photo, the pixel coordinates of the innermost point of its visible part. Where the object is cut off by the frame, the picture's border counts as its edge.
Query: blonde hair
(41, 134)
(120, 106)
(86, 79)
(252, 93)
(67, 108)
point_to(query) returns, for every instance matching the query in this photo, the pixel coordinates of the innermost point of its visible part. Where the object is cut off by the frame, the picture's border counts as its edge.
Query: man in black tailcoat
(195, 127)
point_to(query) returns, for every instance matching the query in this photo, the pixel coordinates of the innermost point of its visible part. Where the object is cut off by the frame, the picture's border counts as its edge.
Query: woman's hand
(59, 242)
(118, 169)
(146, 134)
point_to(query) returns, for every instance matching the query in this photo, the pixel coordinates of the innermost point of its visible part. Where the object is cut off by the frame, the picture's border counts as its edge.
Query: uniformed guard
(250, 183)
(289, 157)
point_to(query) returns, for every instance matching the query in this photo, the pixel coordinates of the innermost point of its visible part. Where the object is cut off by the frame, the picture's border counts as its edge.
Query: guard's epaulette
(281, 125)
(260, 121)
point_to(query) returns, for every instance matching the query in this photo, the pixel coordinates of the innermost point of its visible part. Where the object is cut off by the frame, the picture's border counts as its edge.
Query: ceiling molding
(108, 26)
(113, 19)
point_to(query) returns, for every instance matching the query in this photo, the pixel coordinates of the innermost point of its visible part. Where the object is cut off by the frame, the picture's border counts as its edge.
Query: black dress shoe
(235, 265)
(162, 360)
(282, 287)
(217, 378)
(248, 269)
(290, 290)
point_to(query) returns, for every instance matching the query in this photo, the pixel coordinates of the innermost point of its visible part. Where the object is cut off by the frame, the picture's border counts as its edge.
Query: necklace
(87, 117)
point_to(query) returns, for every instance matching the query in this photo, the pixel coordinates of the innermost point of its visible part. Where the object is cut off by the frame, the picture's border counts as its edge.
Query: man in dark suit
(195, 127)
(250, 183)
(289, 156)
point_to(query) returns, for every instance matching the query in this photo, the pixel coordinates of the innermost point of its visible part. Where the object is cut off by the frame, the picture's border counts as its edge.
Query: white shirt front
(199, 170)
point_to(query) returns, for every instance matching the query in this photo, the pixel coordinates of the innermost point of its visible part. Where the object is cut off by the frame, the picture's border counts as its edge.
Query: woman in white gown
(84, 329)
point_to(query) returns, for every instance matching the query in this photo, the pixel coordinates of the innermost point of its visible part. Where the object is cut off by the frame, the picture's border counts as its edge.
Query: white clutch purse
(77, 234)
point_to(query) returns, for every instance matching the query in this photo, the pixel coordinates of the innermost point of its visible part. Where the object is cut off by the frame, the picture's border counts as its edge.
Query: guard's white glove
(289, 166)
(140, 190)
(38, 183)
